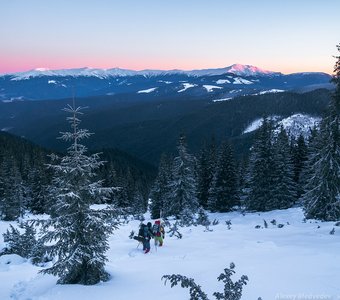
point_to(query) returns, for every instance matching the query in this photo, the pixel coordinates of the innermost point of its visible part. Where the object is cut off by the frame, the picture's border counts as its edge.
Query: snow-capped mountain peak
(248, 70)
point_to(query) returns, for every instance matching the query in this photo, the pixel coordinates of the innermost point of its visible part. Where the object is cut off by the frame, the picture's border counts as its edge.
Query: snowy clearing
(272, 91)
(253, 126)
(223, 99)
(239, 80)
(210, 88)
(186, 86)
(147, 91)
(164, 81)
(299, 258)
(222, 81)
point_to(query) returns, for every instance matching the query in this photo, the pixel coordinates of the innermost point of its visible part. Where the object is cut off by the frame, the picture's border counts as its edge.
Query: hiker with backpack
(144, 236)
(158, 233)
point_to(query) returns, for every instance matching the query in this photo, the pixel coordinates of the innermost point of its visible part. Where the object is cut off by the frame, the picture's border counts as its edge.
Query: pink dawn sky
(286, 36)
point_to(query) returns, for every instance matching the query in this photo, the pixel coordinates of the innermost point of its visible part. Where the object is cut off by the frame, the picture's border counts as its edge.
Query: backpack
(146, 232)
(156, 229)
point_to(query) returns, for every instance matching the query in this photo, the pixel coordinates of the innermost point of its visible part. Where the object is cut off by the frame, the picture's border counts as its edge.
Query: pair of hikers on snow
(146, 232)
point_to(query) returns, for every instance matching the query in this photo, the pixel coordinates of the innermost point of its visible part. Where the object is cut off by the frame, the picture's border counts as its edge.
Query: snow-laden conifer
(261, 169)
(160, 189)
(12, 198)
(284, 187)
(322, 191)
(224, 191)
(205, 172)
(77, 232)
(182, 197)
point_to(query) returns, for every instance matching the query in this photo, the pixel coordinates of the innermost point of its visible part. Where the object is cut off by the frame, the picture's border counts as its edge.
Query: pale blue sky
(280, 35)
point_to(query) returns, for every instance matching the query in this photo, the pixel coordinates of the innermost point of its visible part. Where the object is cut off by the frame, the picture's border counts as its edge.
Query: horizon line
(42, 69)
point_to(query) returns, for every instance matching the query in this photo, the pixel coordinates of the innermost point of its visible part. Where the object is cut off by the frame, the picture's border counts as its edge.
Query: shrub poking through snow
(273, 222)
(202, 218)
(265, 224)
(132, 234)
(173, 231)
(215, 222)
(332, 231)
(232, 290)
(280, 225)
(228, 223)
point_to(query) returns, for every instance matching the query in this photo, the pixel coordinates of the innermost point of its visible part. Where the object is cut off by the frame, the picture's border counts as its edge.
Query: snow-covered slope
(300, 258)
(186, 86)
(299, 124)
(147, 91)
(295, 124)
(256, 124)
(210, 88)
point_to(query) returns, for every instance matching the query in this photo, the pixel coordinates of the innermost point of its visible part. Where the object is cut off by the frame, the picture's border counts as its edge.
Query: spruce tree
(77, 231)
(284, 187)
(300, 155)
(205, 172)
(224, 192)
(11, 190)
(37, 193)
(160, 188)
(322, 191)
(260, 169)
(182, 198)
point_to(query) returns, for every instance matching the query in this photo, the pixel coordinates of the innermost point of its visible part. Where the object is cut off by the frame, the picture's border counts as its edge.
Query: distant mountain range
(237, 69)
(221, 83)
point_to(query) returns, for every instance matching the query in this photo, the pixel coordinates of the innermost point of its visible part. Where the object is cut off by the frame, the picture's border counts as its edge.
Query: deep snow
(298, 260)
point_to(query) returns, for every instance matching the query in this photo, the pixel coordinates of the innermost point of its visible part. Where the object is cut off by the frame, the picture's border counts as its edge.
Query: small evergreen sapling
(232, 290)
(195, 290)
(202, 218)
(24, 244)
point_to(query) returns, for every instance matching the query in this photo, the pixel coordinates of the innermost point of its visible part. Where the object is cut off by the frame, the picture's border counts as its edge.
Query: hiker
(158, 233)
(144, 237)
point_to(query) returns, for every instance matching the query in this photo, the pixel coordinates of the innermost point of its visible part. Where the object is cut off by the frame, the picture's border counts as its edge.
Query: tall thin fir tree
(182, 198)
(260, 169)
(160, 188)
(300, 155)
(12, 199)
(205, 172)
(284, 192)
(77, 231)
(224, 191)
(322, 191)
